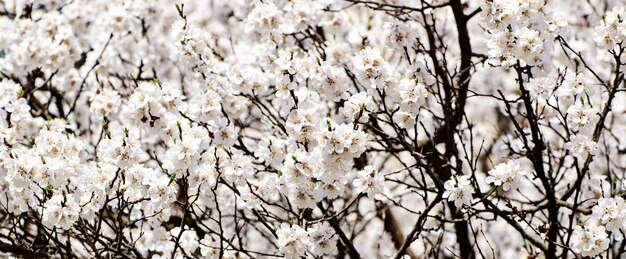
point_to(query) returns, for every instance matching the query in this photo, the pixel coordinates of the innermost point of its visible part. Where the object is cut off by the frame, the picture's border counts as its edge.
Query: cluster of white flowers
(105, 103)
(15, 118)
(508, 175)
(371, 68)
(609, 214)
(413, 96)
(459, 190)
(53, 170)
(357, 108)
(402, 36)
(580, 115)
(520, 31)
(49, 44)
(294, 241)
(322, 171)
(612, 31)
(369, 181)
(589, 240)
(581, 146)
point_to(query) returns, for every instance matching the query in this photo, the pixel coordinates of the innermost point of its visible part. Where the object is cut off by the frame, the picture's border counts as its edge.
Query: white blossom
(292, 241)
(508, 175)
(611, 212)
(581, 146)
(459, 190)
(589, 240)
(369, 181)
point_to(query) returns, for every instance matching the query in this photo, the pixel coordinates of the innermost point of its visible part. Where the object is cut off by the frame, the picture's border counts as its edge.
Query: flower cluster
(323, 171)
(612, 31)
(581, 146)
(401, 35)
(580, 115)
(369, 181)
(459, 190)
(611, 212)
(49, 44)
(520, 31)
(294, 241)
(16, 120)
(589, 240)
(508, 175)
